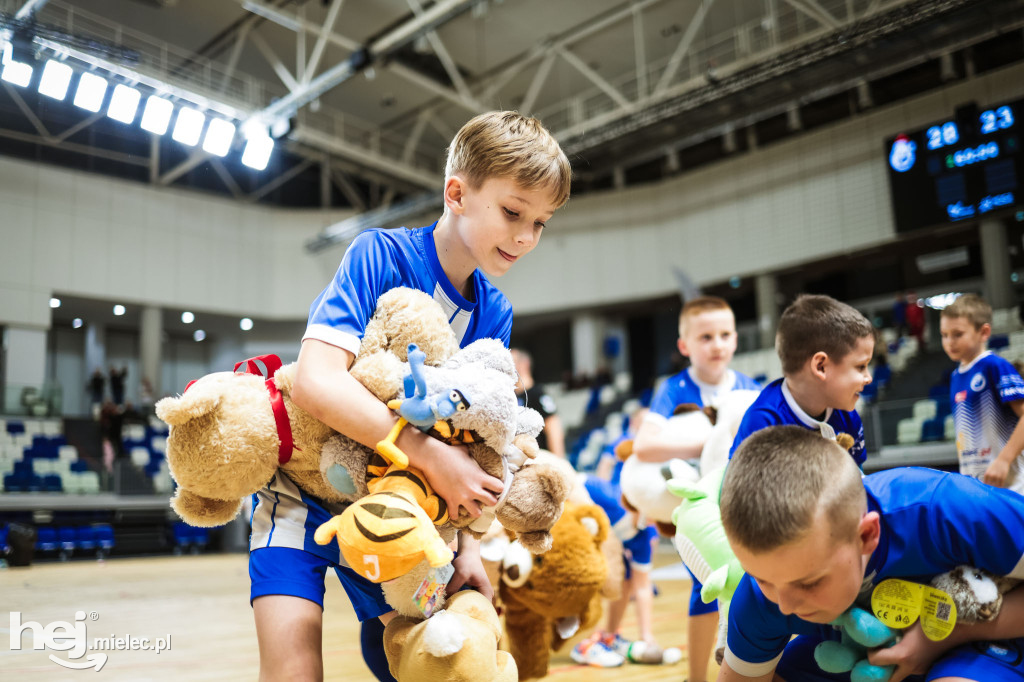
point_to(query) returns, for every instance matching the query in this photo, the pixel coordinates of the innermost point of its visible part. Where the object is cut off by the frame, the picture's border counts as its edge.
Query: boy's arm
(652, 446)
(555, 435)
(915, 653)
(469, 568)
(324, 388)
(999, 469)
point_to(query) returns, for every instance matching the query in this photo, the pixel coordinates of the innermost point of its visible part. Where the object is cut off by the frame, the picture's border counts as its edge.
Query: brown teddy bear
(549, 597)
(226, 441)
(459, 644)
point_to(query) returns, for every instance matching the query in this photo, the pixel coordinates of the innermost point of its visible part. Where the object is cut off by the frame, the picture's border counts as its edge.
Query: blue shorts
(981, 661)
(697, 605)
(297, 573)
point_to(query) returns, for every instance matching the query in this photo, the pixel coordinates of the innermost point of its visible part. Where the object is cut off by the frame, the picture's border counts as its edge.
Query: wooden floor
(201, 604)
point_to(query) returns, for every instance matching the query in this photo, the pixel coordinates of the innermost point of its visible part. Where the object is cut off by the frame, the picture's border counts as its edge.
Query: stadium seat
(140, 457)
(52, 483)
(949, 427)
(925, 409)
(68, 539)
(85, 538)
(908, 431)
(46, 539)
(104, 535)
(933, 430)
(998, 342)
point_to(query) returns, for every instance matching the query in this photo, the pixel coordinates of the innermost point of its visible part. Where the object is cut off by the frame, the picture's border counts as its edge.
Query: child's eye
(510, 213)
(810, 586)
(539, 224)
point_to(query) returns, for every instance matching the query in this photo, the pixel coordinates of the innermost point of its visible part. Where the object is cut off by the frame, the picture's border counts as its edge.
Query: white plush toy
(729, 413)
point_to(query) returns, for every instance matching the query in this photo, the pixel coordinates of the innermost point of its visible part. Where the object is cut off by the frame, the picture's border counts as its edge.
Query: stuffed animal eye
(516, 565)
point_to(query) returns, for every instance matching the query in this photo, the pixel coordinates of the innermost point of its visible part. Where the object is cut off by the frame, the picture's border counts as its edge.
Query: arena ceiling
(365, 94)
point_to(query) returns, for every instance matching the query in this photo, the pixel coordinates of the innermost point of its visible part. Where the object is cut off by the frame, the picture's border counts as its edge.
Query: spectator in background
(117, 377)
(97, 382)
(899, 314)
(146, 399)
(111, 426)
(915, 320)
(552, 438)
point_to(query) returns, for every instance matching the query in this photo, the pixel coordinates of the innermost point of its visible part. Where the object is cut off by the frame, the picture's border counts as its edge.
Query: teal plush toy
(861, 631)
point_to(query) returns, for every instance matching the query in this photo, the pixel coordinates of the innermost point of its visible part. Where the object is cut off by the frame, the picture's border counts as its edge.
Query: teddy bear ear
(195, 403)
(592, 518)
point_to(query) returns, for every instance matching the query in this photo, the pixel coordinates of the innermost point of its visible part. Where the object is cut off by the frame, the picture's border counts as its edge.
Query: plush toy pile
(231, 433)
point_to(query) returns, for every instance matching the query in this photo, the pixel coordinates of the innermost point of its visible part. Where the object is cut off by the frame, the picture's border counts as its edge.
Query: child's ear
(819, 363)
(985, 331)
(869, 532)
(681, 345)
(455, 194)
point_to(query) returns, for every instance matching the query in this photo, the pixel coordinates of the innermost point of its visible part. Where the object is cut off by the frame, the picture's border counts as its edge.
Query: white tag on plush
(826, 430)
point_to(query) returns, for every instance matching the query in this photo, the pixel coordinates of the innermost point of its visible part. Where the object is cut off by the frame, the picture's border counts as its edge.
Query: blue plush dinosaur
(419, 408)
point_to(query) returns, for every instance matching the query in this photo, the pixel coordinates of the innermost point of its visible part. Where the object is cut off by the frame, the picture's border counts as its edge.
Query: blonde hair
(818, 324)
(972, 308)
(507, 144)
(778, 482)
(696, 306)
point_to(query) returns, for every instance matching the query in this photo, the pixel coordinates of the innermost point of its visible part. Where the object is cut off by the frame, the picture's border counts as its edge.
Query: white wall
(820, 194)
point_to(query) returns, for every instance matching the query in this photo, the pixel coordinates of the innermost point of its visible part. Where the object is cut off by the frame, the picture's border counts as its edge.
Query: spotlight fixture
(187, 317)
(90, 93)
(199, 335)
(14, 72)
(76, 323)
(156, 117)
(219, 135)
(245, 324)
(258, 147)
(55, 80)
(188, 127)
(119, 310)
(54, 302)
(124, 103)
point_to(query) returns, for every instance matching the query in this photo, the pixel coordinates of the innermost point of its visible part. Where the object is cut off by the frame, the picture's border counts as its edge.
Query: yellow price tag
(897, 603)
(938, 614)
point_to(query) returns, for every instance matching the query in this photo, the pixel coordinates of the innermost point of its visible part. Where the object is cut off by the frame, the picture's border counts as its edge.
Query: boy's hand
(469, 569)
(914, 654)
(996, 473)
(458, 479)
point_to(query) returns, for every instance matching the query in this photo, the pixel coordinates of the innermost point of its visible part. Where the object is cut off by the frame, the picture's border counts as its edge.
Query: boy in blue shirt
(814, 538)
(987, 395)
(825, 347)
(707, 335)
(505, 177)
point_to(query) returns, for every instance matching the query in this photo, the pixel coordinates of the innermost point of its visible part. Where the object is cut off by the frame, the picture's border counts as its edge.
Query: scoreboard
(962, 168)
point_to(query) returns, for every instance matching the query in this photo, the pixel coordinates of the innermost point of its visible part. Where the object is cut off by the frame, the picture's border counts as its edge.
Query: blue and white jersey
(775, 406)
(380, 260)
(931, 522)
(685, 387)
(979, 394)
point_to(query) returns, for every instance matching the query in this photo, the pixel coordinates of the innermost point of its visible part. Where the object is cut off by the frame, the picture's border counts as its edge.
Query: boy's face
(845, 379)
(818, 576)
(961, 340)
(502, 222)
(709, 340)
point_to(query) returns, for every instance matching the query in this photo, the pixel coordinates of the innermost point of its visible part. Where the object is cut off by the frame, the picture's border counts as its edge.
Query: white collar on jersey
(962, 368)
(807, 420)
(709, 393)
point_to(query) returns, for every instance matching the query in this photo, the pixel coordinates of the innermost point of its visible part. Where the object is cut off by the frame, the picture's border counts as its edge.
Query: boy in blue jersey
(987, 395)
(707, 335)
(505, 176)
(814, 538)
(825, 347)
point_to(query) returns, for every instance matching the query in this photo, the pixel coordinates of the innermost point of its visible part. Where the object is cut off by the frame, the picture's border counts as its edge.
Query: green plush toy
(860, 631)
(701, 542)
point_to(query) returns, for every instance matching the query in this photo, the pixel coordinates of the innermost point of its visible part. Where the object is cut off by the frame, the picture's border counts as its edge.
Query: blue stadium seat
(46, 539)
(15, 427)
(85, 538)
(68, 539)
(938, 392)
(933, 430)
(80, 466)
(882, 376)
(191, 538)
(104, 535)
(52, 483)
(3, 539)
(998, 341)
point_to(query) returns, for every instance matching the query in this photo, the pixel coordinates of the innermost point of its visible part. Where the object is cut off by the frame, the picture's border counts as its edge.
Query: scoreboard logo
(903, 154)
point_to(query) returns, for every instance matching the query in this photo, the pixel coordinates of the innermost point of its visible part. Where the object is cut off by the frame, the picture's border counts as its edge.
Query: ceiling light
(76, 323)
(187, 317)
(245, 324)
(219, 135)
(55, 80)
(188, 127)
(15, 72)
(124, 103)
(199, 335)
(119, 310)
(90, 93)
(54, 302)
(156, 117)
(257, 150)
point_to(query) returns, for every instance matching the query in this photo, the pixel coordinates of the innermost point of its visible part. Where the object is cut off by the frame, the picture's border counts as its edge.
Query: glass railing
(46, 400)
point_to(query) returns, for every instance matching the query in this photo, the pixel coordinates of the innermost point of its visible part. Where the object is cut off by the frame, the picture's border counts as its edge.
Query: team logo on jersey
(960, 396)
(978, 382)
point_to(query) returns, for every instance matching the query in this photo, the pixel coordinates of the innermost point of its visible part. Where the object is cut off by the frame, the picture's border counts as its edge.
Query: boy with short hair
(815, 538)
(987, 396)
(825, 347)
(505, 177)
(707, 335)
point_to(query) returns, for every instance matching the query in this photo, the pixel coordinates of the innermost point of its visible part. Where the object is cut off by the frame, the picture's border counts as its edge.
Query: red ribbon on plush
(265, 366)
